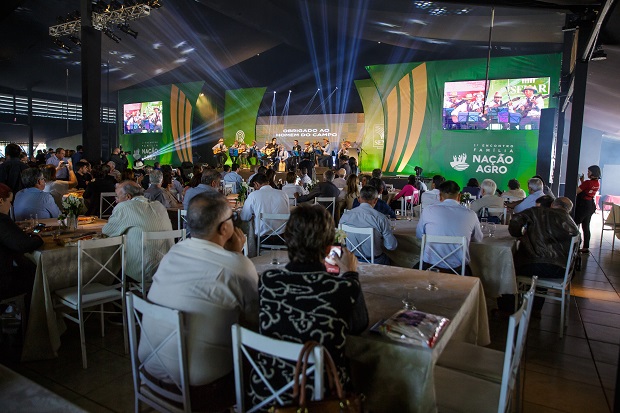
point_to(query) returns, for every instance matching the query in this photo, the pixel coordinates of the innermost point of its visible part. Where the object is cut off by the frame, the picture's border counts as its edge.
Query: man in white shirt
(536, 189)
(133, 215)
(488, 199)
(448, 218)
(365, 216)
(267, 200)
(432, 197)
(341, 181)
(215, 286)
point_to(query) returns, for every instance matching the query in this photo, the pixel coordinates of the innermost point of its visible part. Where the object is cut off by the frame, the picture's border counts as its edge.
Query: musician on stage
(326, 158)
(219, 151)
(243, 155)
(496, 103)
(344, 149)
(234, 152)
(271, 150)
(531, 104)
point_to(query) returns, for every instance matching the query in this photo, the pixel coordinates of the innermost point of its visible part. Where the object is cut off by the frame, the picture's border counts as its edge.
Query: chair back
(428, 240)
(360, 237)
(145, 389)
(329, 202)
(275, 224)
(107, 201)
(246, 343)
(175, 235)
(515, 343)
(573, 253)
(500, 213)
(613, 225)
(292, 201)
(104, 269)
(182, 219)
(406, 205)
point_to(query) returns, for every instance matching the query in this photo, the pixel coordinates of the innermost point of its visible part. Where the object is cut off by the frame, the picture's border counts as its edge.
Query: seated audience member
(325, 189)
(355, 170)
(535, 188)
(431, 197)
(352, 191)
(291, 189)
(545, 235)
(546, 188)
(367, 216)
(380, 206)
(154, 191)
(408, 190)
(234, 178)
(55, 187)
(305, 179)
(170, 200)
(267, 200)
(271, 177)
(488, 199)
(377, 174)
(133, 215)
(101, 182)
(146, 180)
(333, 305)
(225, 171)
(32, 201)
(11, 169)
(82, 174)
(544, 201)
(258, 169)
(115, 173)
(448, 218)
(515, 192)
(340, 181)
(209, 182)
(473, 188)
(216, 288)
(16, 271)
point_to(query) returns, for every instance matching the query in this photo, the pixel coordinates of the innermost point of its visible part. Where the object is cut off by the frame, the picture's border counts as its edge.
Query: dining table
(392, 374)
(56, 268)
(491, 260)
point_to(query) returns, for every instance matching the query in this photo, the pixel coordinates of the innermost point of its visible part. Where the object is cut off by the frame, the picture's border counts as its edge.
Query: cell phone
(38, 228)
(330, 263)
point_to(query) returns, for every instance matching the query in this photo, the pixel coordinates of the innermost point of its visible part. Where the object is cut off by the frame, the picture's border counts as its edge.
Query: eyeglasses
(232, 216)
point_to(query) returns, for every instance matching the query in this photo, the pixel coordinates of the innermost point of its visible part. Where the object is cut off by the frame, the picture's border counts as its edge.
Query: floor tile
(573, 346)
(602, 333)
(582, 369)
(564, 395)
(607, 373)
(122, 388)
(599, 317)
(529, 407)
(596, 284)
(90, 406)
(599, 305)
(605, 352)
(579, 291)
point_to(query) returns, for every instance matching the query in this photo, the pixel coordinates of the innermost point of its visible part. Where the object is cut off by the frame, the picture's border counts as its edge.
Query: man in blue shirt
(58, 160)
(234, 177)
(380, 206)
(210, 181)
(32, 201)
(536, 189)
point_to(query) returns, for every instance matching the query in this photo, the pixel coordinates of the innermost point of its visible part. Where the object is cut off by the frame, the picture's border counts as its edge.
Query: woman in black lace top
(304, 302)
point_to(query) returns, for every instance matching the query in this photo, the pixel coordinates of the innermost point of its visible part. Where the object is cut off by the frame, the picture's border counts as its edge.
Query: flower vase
(72, 222)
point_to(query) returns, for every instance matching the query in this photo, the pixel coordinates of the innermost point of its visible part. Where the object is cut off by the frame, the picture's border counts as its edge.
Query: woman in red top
(585, 206)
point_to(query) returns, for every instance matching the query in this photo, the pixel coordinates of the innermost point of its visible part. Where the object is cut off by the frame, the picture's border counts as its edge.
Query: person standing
(585, 205)
(11, 169)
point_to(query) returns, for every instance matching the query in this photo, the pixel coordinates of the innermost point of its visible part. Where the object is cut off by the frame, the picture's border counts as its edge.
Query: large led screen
(143, 117)
(501, 104)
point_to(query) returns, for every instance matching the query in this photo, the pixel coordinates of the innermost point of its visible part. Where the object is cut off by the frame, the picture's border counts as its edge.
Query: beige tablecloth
(491, 260)
(56, 269)
(376, 360)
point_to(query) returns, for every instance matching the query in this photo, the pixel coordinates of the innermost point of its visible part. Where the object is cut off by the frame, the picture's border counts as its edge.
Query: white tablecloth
(398, 377)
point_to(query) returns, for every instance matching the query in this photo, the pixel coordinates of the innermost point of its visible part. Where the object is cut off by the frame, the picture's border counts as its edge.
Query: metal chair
(460, 391)
(562, 285)
(498, 212)
(613, 226)
(145, 275)
(354, 244)
(182, 219)
(275, 224)
(247, 343)
(427, 240)
(145, 389)
(406, 206)
(90, 292)
(328, 202)
(107, 202)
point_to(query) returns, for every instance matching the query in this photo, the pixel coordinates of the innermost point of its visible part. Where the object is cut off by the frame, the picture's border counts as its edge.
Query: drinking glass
(432, 283)
(409, 297)
(483, 225)
(491, 227)
(274, 257)
(393, 224)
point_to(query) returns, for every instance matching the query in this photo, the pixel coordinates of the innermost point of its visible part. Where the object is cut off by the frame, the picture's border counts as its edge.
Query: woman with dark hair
(303, 302)
(585, 206)
(515, 190)
(271, 175)
(472, 187)
(16, 271)
(407, 190)
(352, 191)
(102, 182)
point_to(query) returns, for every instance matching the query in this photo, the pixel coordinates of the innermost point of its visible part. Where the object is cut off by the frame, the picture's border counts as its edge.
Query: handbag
(336, 402)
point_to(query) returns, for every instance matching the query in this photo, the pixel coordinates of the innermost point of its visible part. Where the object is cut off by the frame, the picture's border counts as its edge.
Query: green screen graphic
(240, 114)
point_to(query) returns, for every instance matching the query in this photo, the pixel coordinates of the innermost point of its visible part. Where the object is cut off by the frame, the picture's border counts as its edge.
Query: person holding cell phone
(303, 302)
(585, 206)
(16, 271)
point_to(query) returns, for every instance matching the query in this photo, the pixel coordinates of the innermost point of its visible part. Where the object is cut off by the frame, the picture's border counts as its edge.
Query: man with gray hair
(31, 201)
(154, 192)
(563, 203)
(325, 189)
(209, 182)
(535, 187)
(133, 215)
(365, 216)
(208, 278)
(488, 199)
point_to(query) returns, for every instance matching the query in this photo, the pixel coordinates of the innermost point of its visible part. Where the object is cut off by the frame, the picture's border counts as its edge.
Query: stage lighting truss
(106, 18)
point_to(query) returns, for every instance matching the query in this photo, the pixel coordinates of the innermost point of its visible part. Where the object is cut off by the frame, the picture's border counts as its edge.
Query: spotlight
(62, 45)
(75, 40)
(124, 27)
(599, 54)
(108, 32)
(154, 4)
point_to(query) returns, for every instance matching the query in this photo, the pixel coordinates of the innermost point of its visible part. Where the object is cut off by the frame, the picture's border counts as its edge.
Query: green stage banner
(441, 116)
(373, 140)
(241, 111)
(157, 122)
